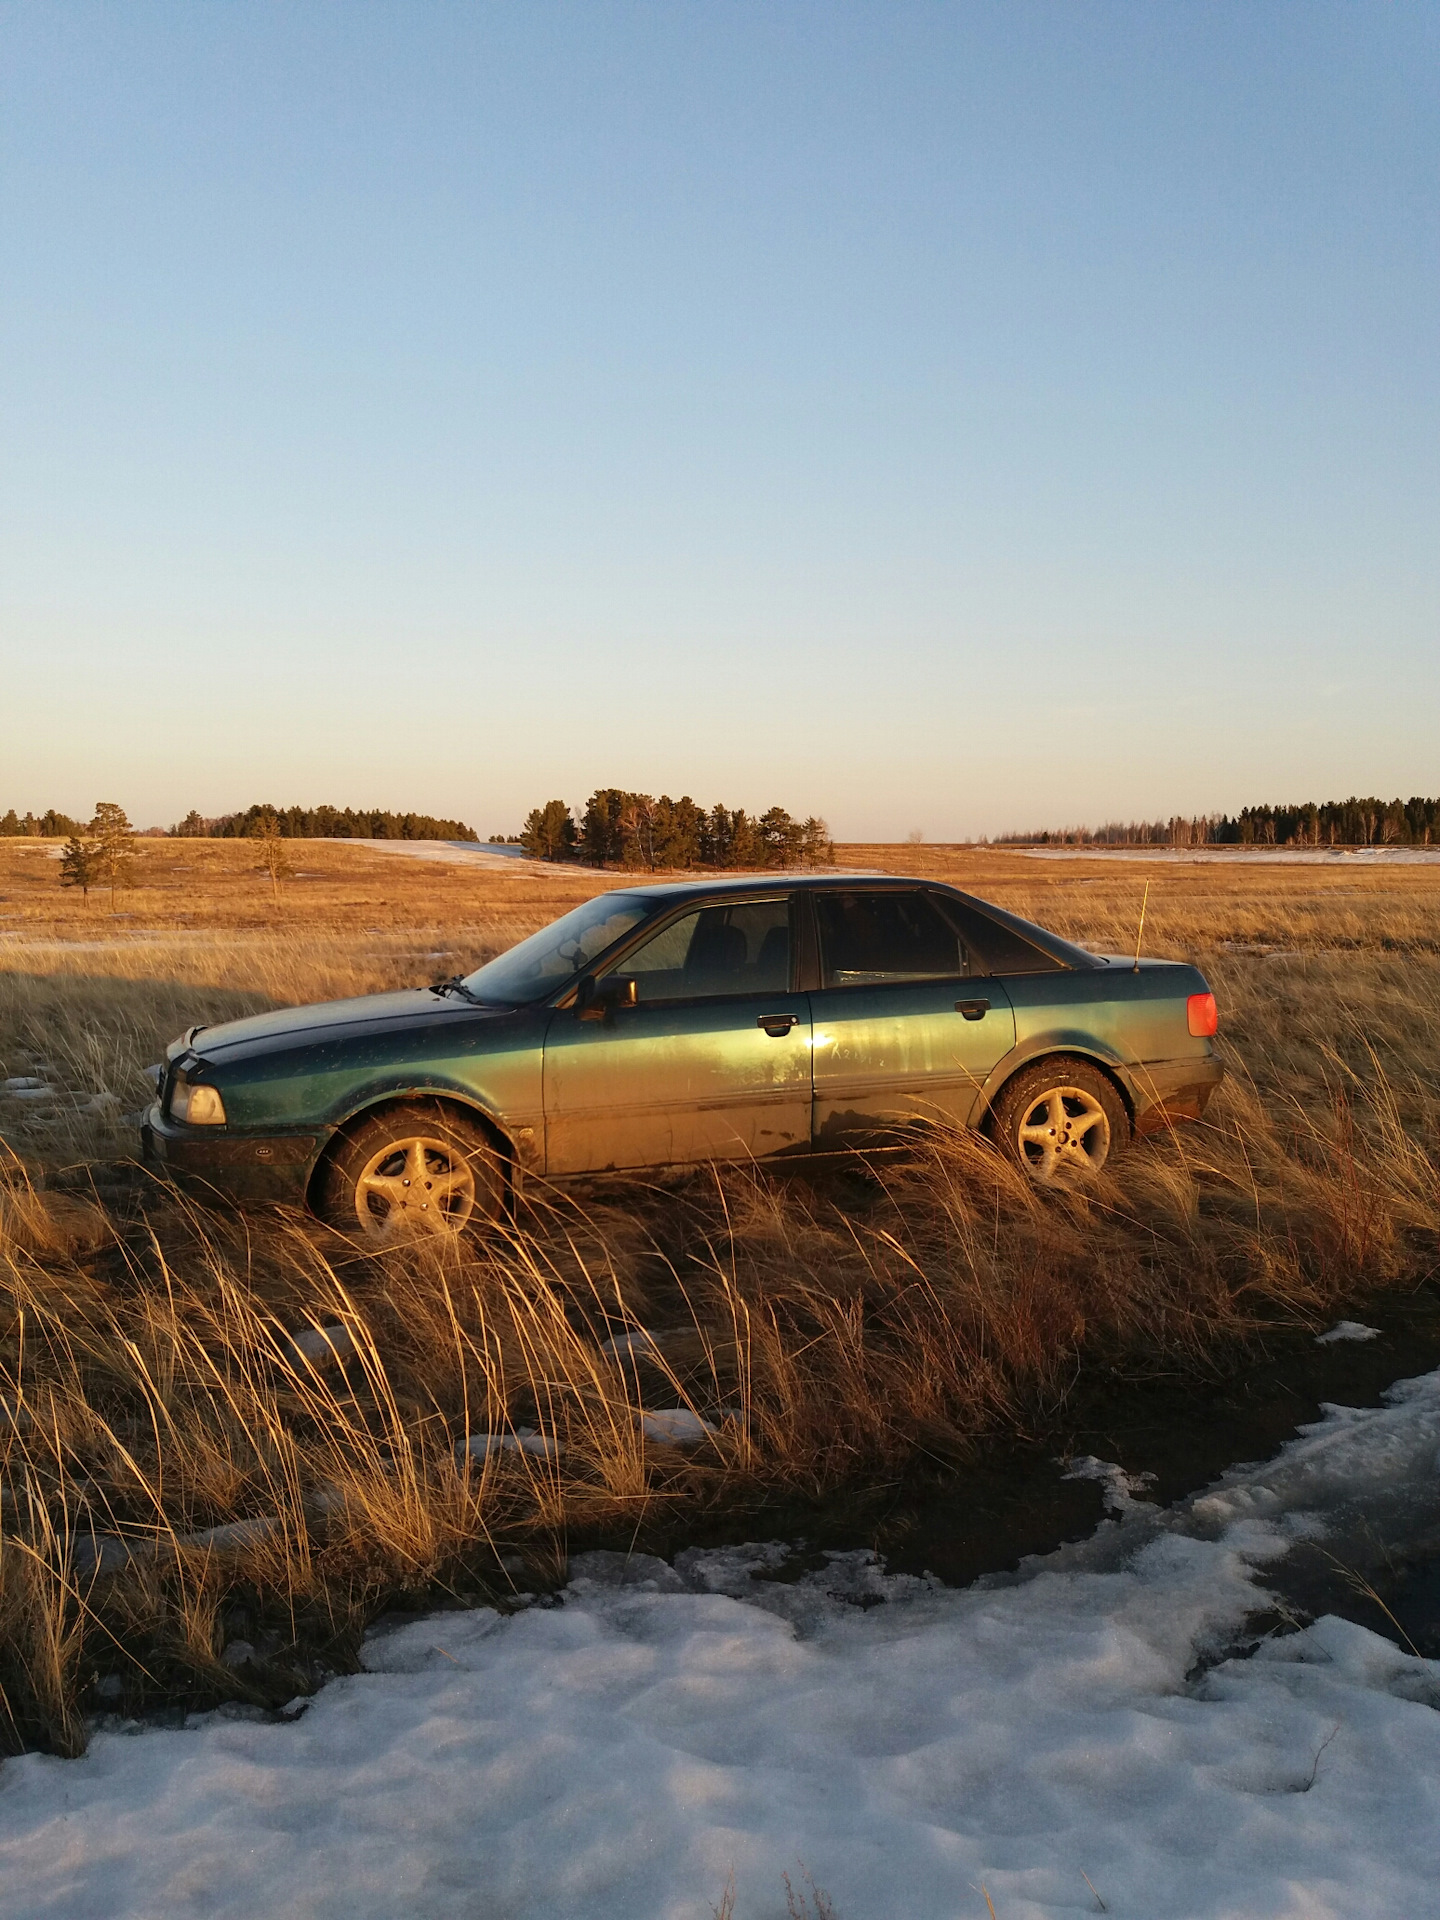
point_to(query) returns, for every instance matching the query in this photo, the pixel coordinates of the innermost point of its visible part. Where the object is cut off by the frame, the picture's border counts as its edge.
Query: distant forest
(49, 825)
(1329, 823)
(621, 829)
(295, 823)
(325, 823)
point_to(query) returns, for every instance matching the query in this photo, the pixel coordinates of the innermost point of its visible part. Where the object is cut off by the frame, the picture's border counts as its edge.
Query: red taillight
(1201, 1015)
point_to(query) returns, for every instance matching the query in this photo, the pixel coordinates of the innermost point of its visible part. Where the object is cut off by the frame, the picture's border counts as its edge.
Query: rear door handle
(973, 1009)
(778, 1024)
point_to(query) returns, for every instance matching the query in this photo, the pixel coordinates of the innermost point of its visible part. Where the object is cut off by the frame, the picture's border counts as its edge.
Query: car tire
(1062, 1121)
(415, 1169)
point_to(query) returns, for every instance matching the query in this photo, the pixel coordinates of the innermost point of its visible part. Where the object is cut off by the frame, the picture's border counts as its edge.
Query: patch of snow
(1347, 1330)
(640, 1344)
(232, 1535)
(1120, 1488)
(469, 853)
(618, 1756)
(24, 1087)
(480, 1446)
(324, 1344)
(106, 1553)
(110, 1553)
(675, 1427)
(1246, 856)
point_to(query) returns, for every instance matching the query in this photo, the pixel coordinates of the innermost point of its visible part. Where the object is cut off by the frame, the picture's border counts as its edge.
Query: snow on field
(467, 853)
(1249, 856)
(620, 1755)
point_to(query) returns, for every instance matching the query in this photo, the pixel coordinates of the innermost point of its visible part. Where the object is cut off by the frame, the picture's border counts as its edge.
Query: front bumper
(214, 1162)
(1163, 1092)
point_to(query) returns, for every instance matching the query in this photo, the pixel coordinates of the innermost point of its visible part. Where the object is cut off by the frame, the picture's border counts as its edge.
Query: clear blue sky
(953, 417)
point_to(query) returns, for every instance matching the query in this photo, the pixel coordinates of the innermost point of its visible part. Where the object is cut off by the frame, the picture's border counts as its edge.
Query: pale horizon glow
(956, 418)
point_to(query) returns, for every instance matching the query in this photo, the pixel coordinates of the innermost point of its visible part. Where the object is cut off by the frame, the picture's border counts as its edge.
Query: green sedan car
(762, 1019)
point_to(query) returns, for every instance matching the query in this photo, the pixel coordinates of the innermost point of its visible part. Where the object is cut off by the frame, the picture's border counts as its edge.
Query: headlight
(196, 1106)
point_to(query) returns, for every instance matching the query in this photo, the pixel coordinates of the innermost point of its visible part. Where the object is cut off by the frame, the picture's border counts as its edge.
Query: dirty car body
(773, 1018)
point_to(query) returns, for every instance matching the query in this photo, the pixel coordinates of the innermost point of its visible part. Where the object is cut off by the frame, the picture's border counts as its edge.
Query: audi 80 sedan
(768, 1019)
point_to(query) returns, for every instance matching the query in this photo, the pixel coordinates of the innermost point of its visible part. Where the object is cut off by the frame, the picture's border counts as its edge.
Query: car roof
(726, 886)
(784, 881)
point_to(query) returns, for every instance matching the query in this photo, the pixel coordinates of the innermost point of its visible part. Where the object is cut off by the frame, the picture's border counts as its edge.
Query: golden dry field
(218, 1430)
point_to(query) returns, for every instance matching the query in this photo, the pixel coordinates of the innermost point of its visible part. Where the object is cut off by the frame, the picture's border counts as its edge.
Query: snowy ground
(1248, 856)
(620, 1755)
(464, 853)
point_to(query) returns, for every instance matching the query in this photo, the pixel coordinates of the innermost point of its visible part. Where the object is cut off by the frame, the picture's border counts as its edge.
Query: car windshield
(558, 952)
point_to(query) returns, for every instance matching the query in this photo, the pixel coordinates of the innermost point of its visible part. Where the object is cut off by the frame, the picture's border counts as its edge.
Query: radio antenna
(1140, 930)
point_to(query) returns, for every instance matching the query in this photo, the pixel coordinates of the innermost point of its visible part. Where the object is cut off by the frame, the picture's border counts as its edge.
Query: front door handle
(778, 1024)
(973, 1009)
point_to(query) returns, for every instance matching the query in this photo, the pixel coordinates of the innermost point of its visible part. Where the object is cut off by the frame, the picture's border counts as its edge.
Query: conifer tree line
(291, 823)
(324, 823)
(49, 825)
(621, 829)
(1330, 823)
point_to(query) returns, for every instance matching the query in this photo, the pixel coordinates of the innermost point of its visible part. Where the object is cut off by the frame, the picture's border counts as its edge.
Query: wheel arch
(379, 1103)
(1066, 1050)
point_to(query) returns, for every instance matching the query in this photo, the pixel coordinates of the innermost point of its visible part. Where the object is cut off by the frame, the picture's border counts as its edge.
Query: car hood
(413, 1006)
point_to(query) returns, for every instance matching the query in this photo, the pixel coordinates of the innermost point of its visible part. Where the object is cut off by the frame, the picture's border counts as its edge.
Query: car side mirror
(594, 998)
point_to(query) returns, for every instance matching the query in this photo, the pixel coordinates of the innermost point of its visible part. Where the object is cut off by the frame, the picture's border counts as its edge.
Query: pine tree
(114, 847)
(265, 830)
(549, 832)
(77, 864)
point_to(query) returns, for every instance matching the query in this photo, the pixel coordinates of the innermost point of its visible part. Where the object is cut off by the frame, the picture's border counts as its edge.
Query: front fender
(519, 1136)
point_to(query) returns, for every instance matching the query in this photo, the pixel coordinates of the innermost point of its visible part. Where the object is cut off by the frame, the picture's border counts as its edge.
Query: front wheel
(1062, 1121)
(412, 1170)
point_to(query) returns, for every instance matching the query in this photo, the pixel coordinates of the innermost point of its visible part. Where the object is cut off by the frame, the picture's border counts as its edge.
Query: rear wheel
(1062, 1121)
(415, 1169)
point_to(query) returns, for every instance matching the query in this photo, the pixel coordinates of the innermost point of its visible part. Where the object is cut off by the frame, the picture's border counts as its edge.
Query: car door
(711, 1062)
(906, 1024)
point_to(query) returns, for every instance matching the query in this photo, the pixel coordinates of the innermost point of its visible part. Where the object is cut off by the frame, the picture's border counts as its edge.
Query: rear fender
(1045, 1046)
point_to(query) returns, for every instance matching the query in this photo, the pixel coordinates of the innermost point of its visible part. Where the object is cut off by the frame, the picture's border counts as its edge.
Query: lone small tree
(77, 864)
(265, 831)
(114, 847)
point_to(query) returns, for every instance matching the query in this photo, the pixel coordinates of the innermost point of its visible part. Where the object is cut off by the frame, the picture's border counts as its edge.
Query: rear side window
(995, 948)
(870, 939)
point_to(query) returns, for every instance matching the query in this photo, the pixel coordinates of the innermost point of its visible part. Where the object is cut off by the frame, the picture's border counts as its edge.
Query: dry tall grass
(225, 1442)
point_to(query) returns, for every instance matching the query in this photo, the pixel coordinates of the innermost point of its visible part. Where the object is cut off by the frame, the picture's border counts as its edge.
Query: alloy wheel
(414, 1185)
(1063, 1136)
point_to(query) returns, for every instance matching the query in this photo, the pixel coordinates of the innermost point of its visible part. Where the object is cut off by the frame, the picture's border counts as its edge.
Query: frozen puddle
(619, 1755)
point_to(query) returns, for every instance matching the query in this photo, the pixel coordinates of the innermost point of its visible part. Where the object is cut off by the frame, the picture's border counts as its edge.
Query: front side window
(740, 948)
(872, 939)
(554, 955)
